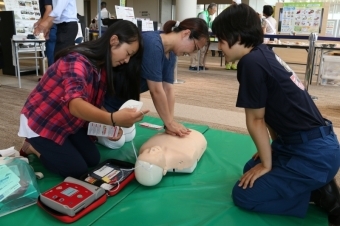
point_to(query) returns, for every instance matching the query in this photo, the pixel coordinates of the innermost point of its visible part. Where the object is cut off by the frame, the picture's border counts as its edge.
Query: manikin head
(149, 168)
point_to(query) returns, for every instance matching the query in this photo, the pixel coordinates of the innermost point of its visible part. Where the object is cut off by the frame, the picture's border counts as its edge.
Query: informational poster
(26, 13)
(331, 28)
(147, 25)
(301, 18)
(125, 13)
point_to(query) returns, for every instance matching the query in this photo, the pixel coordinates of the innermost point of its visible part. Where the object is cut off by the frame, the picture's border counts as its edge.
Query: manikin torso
(164, 152)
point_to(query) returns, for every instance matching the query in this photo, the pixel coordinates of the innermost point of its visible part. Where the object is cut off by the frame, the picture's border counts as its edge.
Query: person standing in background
(103, 15)
(268, 22)
(93, 25)
(198, 60)
(45, 7)
(64, 15)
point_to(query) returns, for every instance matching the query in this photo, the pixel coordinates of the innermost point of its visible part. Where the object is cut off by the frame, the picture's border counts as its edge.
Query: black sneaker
(193, 68)
(328, 198)
(203, 68)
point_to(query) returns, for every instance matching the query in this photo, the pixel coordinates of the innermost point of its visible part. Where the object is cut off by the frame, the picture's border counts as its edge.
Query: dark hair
(238, 23)
(98, 53)
(93, 21)
(197, 26)
(268, 10)
(103, 4)
(211, 5)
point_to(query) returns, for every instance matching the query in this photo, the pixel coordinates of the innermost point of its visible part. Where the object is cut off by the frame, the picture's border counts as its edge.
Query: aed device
(71, 196)
(74, 198)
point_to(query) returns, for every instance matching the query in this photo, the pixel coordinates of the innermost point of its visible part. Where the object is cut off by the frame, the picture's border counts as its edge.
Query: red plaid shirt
(46, 108)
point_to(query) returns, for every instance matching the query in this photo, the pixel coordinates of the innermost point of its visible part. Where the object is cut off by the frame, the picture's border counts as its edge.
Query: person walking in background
(104, 14)
(45, 10)
(298, 153)
(64, 15)
(197, 61)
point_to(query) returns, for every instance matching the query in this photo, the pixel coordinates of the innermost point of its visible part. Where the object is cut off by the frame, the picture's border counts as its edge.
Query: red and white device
(71, 196)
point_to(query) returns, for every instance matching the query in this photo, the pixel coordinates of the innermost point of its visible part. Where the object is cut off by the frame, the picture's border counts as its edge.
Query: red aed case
(74, 198)
(71, 199)
(68, 219)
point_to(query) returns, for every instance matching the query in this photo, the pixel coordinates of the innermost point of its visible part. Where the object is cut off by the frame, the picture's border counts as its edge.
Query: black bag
(106, 21)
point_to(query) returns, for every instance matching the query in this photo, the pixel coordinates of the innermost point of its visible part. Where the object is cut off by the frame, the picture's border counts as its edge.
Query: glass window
(334, 11)
(257, 5)
(221, 7)
(199, 8)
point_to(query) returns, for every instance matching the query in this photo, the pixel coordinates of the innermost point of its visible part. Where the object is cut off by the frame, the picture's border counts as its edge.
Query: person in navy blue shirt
(298, 164)
(158, 64)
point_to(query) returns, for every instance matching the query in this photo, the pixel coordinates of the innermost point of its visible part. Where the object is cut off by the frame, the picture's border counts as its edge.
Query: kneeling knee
(94, 161)
(75, 172)
(241, 199)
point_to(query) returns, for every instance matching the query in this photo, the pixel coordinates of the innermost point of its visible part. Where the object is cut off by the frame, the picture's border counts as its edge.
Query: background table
(38, 49)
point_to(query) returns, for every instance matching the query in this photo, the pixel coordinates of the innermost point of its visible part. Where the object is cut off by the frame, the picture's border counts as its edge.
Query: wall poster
(302, 18)
(26, 13)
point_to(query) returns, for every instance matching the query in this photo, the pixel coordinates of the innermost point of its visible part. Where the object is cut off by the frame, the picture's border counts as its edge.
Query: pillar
(185, 9)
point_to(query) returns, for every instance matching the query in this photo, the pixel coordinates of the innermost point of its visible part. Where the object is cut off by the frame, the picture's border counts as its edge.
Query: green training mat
(200, 198)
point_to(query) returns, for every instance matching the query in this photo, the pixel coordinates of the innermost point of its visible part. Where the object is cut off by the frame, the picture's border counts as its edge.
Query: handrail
(323, 38)
(313, 37)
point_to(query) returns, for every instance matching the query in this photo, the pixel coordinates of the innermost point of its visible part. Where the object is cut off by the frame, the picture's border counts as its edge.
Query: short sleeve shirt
(155, 65)
(267, 82)
(270, 25)
(42, 4)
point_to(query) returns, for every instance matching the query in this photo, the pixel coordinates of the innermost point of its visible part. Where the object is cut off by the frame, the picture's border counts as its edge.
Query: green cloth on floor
(200, 198)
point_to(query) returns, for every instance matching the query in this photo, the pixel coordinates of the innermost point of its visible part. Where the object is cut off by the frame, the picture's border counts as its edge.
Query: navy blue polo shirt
(268, 82)
(156, 66)
(42, 4)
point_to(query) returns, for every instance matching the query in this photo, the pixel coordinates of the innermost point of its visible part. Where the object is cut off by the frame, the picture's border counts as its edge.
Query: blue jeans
(50, 44)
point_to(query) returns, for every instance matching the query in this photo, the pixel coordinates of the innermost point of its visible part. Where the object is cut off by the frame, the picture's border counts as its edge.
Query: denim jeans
(50, 44)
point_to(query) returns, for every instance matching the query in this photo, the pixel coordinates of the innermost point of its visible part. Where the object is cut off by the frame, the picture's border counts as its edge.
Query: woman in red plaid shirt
(70, 94)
